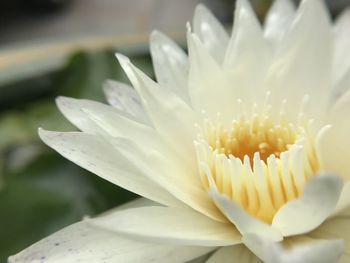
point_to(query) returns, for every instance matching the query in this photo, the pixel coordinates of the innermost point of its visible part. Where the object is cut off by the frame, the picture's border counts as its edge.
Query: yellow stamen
(257, 162)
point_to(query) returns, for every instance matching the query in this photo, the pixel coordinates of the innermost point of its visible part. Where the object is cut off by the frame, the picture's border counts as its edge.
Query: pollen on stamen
(257, 161)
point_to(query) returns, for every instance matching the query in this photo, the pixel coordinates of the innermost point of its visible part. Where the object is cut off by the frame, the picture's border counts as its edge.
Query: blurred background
(66, 47)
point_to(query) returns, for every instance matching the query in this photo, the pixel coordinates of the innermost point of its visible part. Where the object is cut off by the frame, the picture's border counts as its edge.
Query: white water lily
(243, 146)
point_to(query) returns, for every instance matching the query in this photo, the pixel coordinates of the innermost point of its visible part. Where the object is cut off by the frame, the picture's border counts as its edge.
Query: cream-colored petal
(290, 77)
(247, 45)
(333, 145)
(244, 222)
(179, 182)
(73, 112)
(301, 249)
(138, 202)
(317, 202)
(341, 87)
(82, 242)
(97, 156)
(211, 32)
(170, 64)
(341, 33)
(344, 200)
(233, 254)
(97, 118)
(169, 226)
(209, 88)
(124, 97)
(278, 20)
(336, 228)
(172, 117)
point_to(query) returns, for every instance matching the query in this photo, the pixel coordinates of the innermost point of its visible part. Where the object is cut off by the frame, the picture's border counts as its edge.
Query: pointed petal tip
(11, 259)
(65, 103)
(188, 27)
(44, 134)
(107, 85)
(157, 38)
(318, 6)
(61, 100)
(122, 58)
(200, 8)
(243, 4)
(288, 3)
(156, 33)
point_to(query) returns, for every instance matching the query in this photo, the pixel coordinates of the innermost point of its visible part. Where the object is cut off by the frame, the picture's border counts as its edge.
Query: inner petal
(258, 162)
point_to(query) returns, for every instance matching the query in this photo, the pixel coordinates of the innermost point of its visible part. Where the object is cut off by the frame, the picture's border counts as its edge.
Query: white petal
(97, 118)
(170, 64)
(99, 157)
(247, 54)
(209, 87)
(171, 116)
(341, 87)
(300, 249)
(138, 202)
(317, 202)
(125, 98)
(244, 222)
(83, 242)
(175, 179)
(289, 76)
(211, 32)
(75, 114)
(344, 200)
(336, 228)
(101, 119)
(169, 226)
(334, 143)
(341, 31)
(237, 253)
(278, 20)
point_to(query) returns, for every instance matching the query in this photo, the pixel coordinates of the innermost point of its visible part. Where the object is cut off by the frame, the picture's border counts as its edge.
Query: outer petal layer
(318, 201)
(83, 242)
(237, 253)
(170, 226)
(299, 249)
(125, 98)
(337, 227)
(98, 156)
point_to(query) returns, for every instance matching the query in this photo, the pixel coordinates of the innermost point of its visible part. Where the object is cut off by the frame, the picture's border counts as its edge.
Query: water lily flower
(240, 149)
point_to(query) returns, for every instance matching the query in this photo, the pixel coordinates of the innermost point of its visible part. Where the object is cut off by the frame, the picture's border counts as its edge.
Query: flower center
(248, 137)
(257, 162)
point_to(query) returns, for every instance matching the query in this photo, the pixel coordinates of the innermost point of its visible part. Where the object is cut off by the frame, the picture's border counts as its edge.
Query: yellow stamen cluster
(246, 137)
(258, 163)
